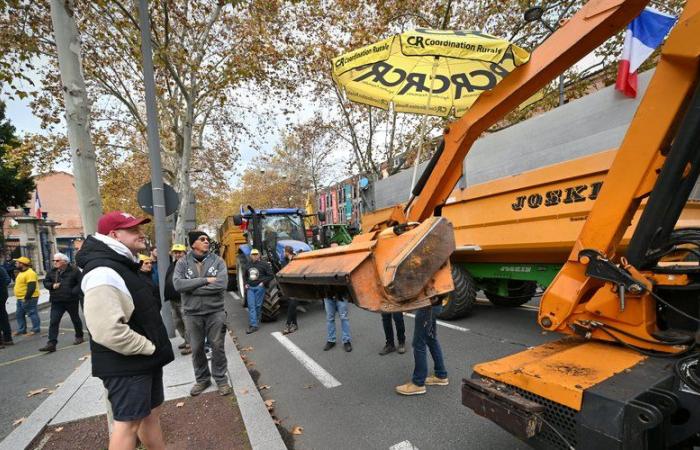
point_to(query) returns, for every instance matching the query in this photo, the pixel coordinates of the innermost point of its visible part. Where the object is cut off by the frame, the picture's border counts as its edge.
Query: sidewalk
(82, 396)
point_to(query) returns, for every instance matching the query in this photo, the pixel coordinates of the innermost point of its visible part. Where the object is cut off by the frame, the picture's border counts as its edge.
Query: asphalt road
(364, 411)
(23, 369)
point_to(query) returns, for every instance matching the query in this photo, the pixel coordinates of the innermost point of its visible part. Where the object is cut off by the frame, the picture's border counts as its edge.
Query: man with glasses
(63, 284)
(128, 340)
(201, 278)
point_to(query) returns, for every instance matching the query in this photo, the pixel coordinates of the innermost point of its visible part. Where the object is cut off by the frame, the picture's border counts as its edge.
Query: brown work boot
(198, 388)
(388, 348)
(410, 389)
(432, 380)
(186, 350)
(78, 340)
(50, 348)
(183, 345)
(224, 389)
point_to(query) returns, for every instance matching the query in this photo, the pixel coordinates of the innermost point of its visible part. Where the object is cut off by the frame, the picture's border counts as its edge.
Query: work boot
(198, 388)
(388, 348)
(50, 348)
(17, 333)
(410, 389)
(183, 345)
(402, 348)
(251, 330)
(30, 333)
(78, 340)
(286, 329)
(432, 380)
(224, 389)
(347, 346)
(186, 350)
(8, 343)
(329, 345)
(293, 327)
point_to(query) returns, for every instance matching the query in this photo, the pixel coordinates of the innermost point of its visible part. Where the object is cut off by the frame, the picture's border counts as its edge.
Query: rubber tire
(271, 303)
(240, 263)
(459, 303)
(520, 291)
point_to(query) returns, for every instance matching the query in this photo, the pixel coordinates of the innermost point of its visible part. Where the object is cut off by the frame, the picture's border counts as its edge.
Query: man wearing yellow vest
(27, 293)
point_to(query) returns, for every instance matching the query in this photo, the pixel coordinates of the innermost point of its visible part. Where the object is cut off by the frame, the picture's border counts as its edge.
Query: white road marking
(444, 324)
(309, 364)
(405, 445)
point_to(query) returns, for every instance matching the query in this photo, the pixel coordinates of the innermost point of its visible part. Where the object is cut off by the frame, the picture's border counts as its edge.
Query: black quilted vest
(145, 320)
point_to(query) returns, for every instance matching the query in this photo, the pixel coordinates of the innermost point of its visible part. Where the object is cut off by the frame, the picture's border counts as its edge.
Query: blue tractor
(270, 231)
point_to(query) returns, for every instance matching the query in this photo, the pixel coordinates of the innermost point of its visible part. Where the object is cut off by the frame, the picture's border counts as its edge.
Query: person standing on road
(425, 335)
(27, 293)
(5, 330)
(291, 326)
(201, 278)
(128, 340)
(63, 283)
(389, 346)
(338, 305)
(256, 274)
(173, 296)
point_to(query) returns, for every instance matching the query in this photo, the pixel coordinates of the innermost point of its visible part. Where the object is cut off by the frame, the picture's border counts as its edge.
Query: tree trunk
(183, 187)
(77, 112)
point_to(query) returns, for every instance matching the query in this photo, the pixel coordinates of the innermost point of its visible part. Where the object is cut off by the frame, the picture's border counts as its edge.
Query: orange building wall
(59, 199)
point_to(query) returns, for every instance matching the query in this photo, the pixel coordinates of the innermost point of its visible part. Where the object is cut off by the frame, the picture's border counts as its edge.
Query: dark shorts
(134, 397)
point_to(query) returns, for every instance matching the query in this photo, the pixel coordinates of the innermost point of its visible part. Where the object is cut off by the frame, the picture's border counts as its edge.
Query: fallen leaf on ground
(50, 391)
(59, 429)
(298, 430)
(244, 357)
(179, 404)
(249, 364)
(34, 392)
(83, 358)
(308, 386)
(276, 421)
(243, 391)
(263, 387)
(270, 404)
(58, 385)
(247, 349)
(18, 421)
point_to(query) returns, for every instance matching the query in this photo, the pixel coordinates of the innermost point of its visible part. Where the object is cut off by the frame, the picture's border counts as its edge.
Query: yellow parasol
(424, 71)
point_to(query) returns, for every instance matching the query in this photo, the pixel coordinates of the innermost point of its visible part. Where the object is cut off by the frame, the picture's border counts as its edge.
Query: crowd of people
(115, 282)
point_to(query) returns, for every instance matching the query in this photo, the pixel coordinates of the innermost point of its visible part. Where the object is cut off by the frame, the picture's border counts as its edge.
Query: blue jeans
(341, 307)
(425, 335)
(255, 296)
(28, 308)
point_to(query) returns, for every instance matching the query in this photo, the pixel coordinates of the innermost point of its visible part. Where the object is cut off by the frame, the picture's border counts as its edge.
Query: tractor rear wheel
(240, 278)
(271, 304)
(519, 293)
(459, 302)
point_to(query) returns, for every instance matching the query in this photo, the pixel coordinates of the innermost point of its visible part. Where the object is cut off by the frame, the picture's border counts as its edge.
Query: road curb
(262, 432)
(22, 436)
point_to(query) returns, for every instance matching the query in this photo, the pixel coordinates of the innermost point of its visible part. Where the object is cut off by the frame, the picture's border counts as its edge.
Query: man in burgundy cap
(128, 340)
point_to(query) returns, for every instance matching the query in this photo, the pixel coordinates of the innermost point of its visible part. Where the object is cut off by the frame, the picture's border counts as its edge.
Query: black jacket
(69, 290)
(258, 272)
(170, 292)
(145, 319)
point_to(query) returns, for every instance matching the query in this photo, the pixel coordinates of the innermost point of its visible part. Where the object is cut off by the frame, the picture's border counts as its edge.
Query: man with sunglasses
(201, 278)
(128, 340)
(63, 284)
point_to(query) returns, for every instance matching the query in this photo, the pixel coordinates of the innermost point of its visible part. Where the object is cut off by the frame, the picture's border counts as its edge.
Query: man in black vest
(128, 340)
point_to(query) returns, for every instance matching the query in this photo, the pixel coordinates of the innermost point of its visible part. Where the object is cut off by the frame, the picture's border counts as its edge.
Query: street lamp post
(535, 14)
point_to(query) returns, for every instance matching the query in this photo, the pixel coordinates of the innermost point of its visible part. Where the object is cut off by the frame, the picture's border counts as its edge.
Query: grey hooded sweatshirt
(190, 280)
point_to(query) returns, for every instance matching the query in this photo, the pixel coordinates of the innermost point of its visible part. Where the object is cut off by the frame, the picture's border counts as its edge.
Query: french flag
(644, 34)
(37, 205)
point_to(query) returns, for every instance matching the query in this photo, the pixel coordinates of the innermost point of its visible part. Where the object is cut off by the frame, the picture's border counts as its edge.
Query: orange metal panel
(561, 371)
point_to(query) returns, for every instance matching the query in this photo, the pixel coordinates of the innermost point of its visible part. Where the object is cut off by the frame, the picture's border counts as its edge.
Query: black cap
(194, 235)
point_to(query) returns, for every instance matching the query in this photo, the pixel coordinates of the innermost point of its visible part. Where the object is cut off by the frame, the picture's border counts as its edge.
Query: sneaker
(251, 330)
(402, 348)
(78, 341)
(181, 346)
(17, 333)
(410, 389)
(432, 380)
(224, 389)
(347, 346)
(30, 333)
(198, 388)
(329, 345)
(186, 350)
(387, 349)
(285, 330)
(50, 348)
(293, 327)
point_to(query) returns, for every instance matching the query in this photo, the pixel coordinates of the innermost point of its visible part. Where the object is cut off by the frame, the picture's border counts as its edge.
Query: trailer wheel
(240, 278)
(271, 304)
(459, 302)
(519, 293)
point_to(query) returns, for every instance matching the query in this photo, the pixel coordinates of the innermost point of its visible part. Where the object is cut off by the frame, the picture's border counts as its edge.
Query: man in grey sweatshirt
(201, 278)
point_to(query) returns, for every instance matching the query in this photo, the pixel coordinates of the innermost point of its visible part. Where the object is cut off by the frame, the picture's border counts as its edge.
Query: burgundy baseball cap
(118, 220)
